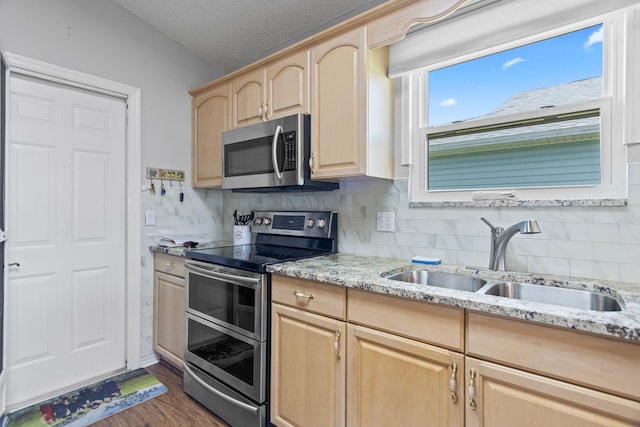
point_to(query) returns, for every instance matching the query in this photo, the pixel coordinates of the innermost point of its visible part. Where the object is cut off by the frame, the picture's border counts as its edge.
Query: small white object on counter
(425, 260)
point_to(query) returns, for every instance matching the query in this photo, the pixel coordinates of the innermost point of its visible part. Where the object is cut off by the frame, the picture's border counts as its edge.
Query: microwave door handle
(274, 150)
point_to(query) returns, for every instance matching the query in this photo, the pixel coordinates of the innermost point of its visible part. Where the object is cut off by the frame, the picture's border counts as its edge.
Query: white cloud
(511, 63)
(449, 102)
(595, 37)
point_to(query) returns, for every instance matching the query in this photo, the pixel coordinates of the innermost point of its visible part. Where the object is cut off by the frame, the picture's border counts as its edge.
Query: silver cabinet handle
(452, 382)
(471, 390)
(336, 344)
(299, 294)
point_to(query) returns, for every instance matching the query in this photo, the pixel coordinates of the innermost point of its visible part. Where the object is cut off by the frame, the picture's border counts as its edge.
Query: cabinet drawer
(170, 264)
(606, 364)
(431, 323)
(329, 300)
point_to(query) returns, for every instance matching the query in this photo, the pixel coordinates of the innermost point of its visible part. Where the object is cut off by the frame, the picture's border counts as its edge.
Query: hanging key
(181, 193)
(163, 190)
(152, 188)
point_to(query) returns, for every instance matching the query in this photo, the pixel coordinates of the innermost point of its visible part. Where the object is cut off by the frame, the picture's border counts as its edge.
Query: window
(524, 117)
(539, 114)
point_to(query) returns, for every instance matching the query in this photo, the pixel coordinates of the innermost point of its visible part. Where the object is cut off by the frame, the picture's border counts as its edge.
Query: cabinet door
(248, 98)
(506, 397)
(288, 85)
(169, 317)
(394, 381)
(337, 110)
(210, 115)
(307, 369)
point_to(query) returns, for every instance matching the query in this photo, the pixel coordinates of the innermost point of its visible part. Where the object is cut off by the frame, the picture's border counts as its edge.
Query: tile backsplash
(588, 242)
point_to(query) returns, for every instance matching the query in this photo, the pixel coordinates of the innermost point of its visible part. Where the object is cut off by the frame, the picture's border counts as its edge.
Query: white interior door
(65, 215)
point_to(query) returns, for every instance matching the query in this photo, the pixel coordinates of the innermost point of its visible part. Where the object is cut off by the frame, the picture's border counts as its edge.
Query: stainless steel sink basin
(440, 280)
(584, 300)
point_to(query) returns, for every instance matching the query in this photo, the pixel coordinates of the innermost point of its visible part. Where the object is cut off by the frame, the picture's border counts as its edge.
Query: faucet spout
(500, 238)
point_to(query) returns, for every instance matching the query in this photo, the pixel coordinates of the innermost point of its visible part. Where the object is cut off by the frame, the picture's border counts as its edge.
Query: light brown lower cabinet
(168, 308)
(499, 396)
(307, 369)
(395, 381)
(410, 363)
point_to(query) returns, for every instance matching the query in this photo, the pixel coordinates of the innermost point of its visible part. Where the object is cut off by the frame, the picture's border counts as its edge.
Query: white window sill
(523, 203)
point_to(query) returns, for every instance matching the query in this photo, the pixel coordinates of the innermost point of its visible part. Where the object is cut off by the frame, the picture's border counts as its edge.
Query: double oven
(227, 304)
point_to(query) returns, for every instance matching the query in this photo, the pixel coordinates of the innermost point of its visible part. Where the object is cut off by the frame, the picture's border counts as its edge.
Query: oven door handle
(218, 392)
(240, 280)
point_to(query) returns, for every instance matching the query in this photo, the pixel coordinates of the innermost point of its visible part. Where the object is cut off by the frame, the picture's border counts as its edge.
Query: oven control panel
(306, 223)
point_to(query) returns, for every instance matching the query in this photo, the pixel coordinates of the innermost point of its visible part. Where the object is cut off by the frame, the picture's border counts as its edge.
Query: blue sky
(478, 87)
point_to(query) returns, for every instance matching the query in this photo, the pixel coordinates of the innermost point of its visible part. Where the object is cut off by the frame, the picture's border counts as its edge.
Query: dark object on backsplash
(272, 156)
(190, 244)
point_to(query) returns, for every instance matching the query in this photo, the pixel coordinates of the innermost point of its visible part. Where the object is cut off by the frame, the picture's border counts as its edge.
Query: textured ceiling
(232, 33)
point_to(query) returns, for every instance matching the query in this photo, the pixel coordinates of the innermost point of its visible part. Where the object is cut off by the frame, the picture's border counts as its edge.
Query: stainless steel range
(228, 296)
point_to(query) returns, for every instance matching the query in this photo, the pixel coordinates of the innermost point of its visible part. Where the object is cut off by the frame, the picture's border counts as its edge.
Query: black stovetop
(254, 257)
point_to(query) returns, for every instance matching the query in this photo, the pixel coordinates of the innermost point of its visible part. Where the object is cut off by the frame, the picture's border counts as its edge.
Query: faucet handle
(493, 229)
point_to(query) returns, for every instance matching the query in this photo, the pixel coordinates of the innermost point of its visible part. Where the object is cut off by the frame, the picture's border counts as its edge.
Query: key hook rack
(165, 175)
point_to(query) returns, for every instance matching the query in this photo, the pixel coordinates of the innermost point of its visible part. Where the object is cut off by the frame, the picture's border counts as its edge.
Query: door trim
(17, 64)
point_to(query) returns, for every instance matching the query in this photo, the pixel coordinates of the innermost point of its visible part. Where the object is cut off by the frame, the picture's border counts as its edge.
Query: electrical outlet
(150, 217)
(386, 221)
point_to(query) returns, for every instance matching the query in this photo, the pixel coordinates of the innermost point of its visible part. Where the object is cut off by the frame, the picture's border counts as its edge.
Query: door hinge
(3, 235)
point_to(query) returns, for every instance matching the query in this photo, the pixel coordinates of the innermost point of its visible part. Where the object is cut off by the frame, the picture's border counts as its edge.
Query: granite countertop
(368, 273)
(182, 251)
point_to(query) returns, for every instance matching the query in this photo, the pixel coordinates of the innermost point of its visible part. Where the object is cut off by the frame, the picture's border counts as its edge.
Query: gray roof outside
(562, 94)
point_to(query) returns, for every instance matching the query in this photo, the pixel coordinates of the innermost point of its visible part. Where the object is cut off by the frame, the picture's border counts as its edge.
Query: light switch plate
(150, 217)
(386, 221)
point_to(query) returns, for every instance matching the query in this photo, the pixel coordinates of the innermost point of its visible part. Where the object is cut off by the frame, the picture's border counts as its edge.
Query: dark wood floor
(173, 408)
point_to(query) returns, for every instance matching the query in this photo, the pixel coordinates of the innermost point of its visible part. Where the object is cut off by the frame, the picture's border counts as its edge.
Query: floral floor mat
(87, 405)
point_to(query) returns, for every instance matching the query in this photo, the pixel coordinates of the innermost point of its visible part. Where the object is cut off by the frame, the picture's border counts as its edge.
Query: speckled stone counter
(182, 251)
(369, 273)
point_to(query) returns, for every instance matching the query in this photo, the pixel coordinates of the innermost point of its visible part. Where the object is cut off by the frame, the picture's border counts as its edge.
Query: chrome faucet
(500, 237)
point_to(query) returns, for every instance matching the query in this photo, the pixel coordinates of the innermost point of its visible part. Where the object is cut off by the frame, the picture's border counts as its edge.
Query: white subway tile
(634, 173)
(594, 232)
(571, 249)
(595, 270)
(621, 252)
(630, 273)
(630, 233)
(547, 265)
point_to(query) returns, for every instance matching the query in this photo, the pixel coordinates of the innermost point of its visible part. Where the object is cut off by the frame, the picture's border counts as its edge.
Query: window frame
(616, 108)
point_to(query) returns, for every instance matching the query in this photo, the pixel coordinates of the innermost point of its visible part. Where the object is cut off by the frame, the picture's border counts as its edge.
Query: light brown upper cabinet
(210, 116)
(279, 89)
(351, 108)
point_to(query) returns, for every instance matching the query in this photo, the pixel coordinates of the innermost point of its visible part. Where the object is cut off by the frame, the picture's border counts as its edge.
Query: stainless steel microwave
(270, 156)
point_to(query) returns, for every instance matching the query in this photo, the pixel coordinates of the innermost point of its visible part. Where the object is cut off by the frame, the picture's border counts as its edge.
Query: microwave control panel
(289, 151)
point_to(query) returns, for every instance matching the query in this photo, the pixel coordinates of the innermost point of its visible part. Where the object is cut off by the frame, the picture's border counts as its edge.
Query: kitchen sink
(440, 280)
(574, 298)
(584, 300)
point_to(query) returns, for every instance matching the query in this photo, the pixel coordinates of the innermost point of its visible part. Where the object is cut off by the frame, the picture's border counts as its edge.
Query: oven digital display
(288, 222)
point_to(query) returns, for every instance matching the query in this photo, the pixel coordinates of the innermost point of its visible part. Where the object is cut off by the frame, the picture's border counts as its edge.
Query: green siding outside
(567, 164)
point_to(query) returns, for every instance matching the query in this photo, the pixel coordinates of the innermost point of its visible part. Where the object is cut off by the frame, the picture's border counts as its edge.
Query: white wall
(99, 37)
